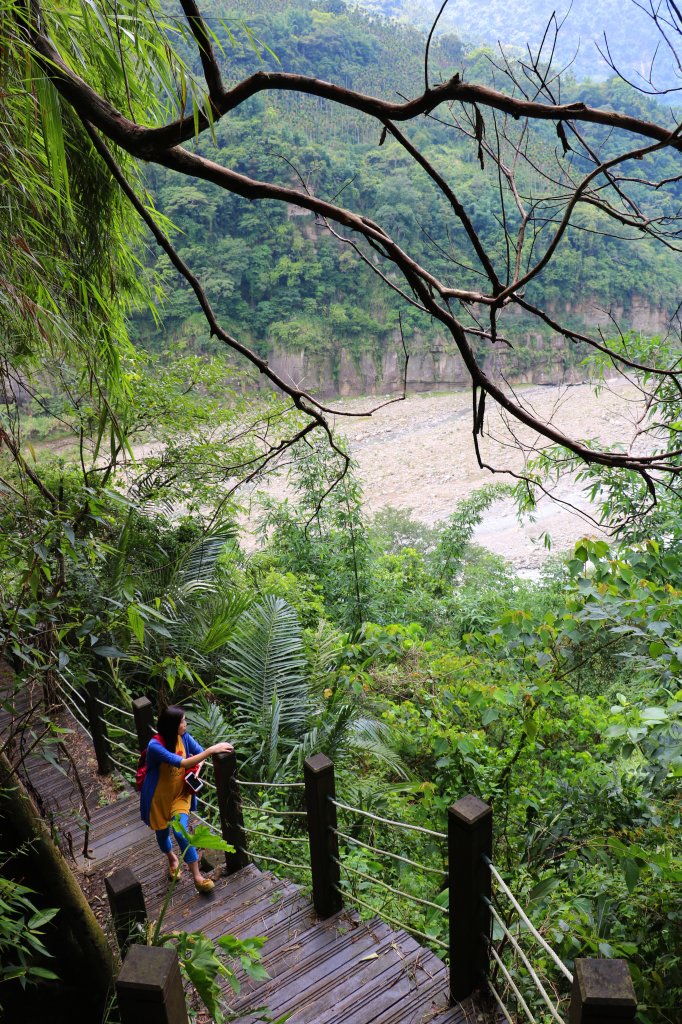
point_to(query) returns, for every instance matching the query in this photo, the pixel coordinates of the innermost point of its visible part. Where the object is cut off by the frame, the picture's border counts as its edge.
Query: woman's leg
(164, 841)
(189, 854)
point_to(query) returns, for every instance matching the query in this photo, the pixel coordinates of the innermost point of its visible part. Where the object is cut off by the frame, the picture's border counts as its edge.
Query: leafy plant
(21, 931)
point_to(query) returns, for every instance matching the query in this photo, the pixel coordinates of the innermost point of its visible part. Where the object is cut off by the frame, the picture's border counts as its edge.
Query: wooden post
(144, 721)
(324, 844)
(149, 987)
(230, 807)
(127, 905)
(98, 727)
(602, 993)
(470, 838)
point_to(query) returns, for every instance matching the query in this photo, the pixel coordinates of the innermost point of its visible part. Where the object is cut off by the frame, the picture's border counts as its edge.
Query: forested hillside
(280, 279)
(624, 31)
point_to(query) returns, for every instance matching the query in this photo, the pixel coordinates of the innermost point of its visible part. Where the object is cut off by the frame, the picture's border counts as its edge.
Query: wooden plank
(318, 953)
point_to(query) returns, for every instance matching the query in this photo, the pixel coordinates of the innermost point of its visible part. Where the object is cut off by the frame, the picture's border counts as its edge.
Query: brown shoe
(204, 886)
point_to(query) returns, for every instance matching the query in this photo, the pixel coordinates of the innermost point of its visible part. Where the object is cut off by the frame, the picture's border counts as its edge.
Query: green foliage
(322, 536)
(21, 930)
(287, 285)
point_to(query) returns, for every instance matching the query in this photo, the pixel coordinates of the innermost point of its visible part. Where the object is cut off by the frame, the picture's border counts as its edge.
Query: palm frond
(266, 661)
(208, 723)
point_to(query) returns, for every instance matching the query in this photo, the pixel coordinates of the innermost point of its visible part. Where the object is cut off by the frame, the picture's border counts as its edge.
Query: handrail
(276, 838)
(387, 853)
(496, 996)
(273, 785)
(275, 860)
(119, 711)
(526, 962)
(272, 812)
(394, 920)
(469, 840)
(387, 821)
(526, 920)
(390, 888)
(521, 1001)
(72, 711)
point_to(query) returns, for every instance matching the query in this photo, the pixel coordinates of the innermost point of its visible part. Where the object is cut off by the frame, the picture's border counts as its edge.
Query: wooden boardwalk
(338, 971)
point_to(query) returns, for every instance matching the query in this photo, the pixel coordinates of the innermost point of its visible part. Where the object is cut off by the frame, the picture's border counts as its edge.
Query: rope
(124, 767)
(206, 803)
(72, 688)
(529, 924)
(273, 813)
(120, 729)
(77, 720)
(206, 823)
(499, 1002)
(114, 743)
(387, 853)
(393, 920)
(119, 711)
(284, 863)
(526, 962)
(519, 997)
(273, 785)
(276, 838)
(385, 885)
(388, 821)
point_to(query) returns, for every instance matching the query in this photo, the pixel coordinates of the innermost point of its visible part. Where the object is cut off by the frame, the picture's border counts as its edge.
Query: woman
(164, 794)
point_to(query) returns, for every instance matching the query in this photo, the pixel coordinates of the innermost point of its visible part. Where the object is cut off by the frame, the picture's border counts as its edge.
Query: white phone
(193, 781)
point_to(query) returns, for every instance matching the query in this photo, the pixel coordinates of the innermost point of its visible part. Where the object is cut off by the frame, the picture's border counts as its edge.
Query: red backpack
(141, 770)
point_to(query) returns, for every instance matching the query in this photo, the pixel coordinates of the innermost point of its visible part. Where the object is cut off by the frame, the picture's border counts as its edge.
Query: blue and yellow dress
(164, 793)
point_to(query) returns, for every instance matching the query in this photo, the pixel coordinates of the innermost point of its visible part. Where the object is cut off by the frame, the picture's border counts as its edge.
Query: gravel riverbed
(418, 454)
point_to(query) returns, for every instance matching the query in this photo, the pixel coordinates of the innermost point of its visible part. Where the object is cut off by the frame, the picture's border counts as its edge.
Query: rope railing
(273, 812)
(119, 711)
(519, 958)
(512, 984)
(524, 959)
(388, 853)
(78, 716)
(501, 1006)
(273, 785)
(282, 863)
(526, 920)
(387, 821)
(125, 768)
(276, 838)
(72, 689)
(393, 920)
(391, 888)
(119, 746)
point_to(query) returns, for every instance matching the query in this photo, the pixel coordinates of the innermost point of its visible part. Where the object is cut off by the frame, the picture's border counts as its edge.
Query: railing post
(127, 905)
(470, 838)
(602, 993)
(143, 714)
(98, 727)
(149, 987)
(230, 807)
(324, 844)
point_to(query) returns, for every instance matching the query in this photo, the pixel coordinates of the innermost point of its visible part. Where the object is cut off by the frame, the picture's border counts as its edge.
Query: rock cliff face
(435, 365)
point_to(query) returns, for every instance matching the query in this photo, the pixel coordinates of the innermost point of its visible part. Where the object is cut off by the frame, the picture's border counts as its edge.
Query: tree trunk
(83, 958)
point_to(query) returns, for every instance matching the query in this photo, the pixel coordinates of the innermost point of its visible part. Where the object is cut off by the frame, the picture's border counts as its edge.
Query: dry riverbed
(418, 455)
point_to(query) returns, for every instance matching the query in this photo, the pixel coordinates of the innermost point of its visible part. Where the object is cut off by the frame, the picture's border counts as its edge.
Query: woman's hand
(221, 748)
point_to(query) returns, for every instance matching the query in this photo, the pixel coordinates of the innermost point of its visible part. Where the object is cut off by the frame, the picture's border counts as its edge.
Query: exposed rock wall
(434, 364)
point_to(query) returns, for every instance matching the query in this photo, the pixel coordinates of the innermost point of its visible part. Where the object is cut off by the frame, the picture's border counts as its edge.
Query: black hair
(168, 725)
